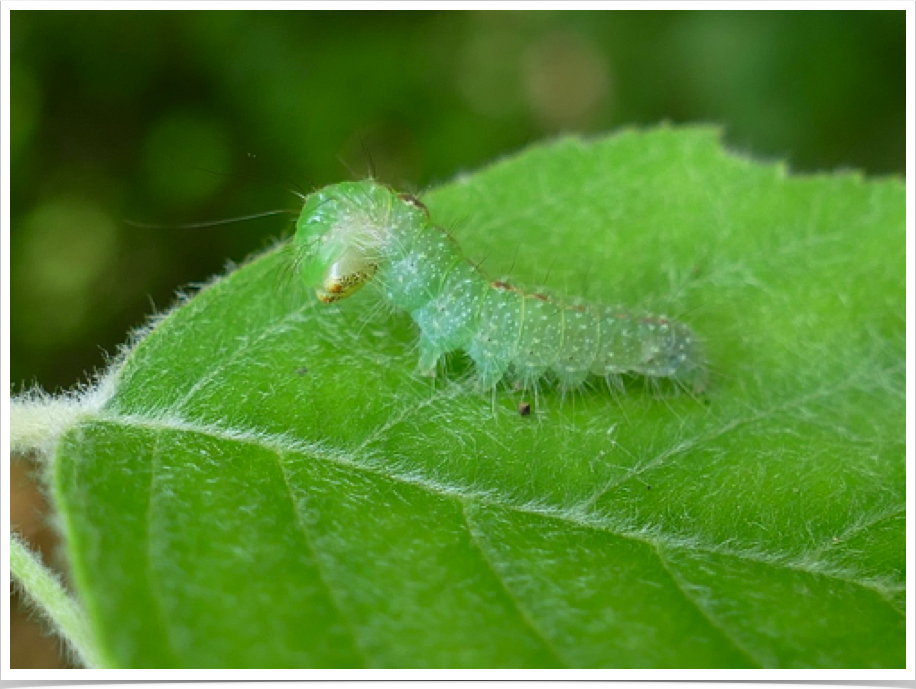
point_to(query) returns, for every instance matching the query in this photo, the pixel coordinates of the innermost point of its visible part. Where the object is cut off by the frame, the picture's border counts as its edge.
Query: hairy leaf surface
(271, 484)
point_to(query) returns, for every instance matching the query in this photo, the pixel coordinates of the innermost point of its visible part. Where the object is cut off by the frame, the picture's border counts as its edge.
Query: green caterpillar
(355, 233)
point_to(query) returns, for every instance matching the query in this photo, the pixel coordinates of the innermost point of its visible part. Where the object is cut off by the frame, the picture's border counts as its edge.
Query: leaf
(270, 483)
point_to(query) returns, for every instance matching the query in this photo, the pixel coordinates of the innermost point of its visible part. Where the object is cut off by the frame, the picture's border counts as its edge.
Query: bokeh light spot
(566, 79)
(68, 245)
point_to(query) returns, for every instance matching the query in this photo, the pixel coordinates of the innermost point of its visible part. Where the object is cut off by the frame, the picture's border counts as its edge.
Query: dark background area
(181, 117)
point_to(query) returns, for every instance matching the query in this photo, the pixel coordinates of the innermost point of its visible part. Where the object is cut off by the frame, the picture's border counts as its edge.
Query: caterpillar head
(342, 234)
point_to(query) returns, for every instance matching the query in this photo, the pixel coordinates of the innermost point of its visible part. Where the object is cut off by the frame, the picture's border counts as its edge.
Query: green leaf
(270, 483)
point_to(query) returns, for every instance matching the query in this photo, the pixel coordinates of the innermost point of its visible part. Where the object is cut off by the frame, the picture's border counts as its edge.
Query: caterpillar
(352, 234)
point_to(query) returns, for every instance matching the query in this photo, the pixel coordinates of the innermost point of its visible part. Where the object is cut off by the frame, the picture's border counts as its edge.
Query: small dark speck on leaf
(524, 409)
(302, 371)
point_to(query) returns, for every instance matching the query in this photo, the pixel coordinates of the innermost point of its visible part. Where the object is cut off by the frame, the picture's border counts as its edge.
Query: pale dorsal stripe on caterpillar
(353, 233)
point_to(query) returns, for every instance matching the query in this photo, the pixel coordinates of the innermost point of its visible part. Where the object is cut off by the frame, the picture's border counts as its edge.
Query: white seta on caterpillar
(354, 233)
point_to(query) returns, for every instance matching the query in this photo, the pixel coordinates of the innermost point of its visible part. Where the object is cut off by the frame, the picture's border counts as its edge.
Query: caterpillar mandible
(355, 233)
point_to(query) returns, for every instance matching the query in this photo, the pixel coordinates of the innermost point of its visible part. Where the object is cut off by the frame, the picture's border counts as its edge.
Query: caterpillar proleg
(356, 233)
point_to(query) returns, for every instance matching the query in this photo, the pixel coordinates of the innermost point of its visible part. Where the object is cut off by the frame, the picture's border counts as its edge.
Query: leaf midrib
(284, 445)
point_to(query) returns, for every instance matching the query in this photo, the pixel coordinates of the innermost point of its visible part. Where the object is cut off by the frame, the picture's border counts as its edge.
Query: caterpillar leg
(429, 357)
(489, 376)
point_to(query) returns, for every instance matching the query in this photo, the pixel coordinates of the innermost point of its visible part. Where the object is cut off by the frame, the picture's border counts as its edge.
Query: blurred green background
(180, 117)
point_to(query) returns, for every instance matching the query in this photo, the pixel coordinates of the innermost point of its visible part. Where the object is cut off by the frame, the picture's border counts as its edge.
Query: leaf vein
(574, 516)
(525, 616)
(319, 568)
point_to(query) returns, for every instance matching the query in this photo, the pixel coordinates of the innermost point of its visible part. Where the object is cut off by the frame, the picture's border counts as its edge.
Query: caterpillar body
(355, 233)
